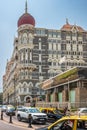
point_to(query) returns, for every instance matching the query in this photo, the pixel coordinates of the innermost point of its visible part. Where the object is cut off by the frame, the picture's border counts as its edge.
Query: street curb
(17, 124)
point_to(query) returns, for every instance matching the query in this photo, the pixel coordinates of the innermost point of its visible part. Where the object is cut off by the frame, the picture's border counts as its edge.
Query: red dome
(26, 19)
(66, 27)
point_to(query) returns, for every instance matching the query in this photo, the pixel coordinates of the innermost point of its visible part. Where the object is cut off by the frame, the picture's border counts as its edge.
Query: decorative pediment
(74, 29)
(51, 71)
(55, 60)
(50, 60)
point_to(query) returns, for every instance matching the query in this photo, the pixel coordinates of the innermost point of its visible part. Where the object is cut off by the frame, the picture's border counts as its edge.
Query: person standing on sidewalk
(65, 110)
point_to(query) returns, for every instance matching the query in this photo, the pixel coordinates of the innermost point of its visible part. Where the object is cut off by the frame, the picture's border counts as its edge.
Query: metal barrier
(1, 115)
(29, 120)
(10, 119)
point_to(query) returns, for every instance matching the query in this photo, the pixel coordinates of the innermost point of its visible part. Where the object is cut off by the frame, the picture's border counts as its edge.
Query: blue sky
(47, 14)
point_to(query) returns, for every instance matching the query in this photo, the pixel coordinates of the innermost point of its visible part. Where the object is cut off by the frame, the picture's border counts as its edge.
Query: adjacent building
(40, 54)
(67, 87)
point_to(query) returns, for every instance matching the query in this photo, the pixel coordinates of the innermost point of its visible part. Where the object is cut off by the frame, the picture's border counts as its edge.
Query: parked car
(0, 108)
(3, 108)
(19, 107)
(36, 115)
(68, 123)
(10, 110)
(82, 111)
(53, 114)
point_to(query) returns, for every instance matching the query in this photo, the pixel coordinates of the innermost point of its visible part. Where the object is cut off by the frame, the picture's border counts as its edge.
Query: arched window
(30, 38)
(20, 39)
(25, 38)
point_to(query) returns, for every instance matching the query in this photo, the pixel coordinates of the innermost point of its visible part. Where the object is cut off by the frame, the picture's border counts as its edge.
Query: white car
(82, 111)
(36, 115)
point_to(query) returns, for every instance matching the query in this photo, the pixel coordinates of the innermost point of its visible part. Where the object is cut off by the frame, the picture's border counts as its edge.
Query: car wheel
(19, 118)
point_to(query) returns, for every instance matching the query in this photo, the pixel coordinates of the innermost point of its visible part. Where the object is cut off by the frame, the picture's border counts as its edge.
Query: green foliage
(67, 74)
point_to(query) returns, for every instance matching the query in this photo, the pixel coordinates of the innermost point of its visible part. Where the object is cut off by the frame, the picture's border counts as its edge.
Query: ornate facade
(39, 54)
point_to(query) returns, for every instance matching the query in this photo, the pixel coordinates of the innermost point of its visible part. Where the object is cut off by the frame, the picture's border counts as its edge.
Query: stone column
(65, 94)
(55, 95)
(47, 97)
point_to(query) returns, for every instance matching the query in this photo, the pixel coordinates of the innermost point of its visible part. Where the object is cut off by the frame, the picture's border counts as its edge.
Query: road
(16, 125)
(8, 126)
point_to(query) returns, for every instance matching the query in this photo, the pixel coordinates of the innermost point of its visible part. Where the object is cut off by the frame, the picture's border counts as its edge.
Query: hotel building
(39, 54)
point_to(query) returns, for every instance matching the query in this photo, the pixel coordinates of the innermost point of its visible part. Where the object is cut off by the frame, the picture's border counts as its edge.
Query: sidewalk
(17, 123)
(22, 124)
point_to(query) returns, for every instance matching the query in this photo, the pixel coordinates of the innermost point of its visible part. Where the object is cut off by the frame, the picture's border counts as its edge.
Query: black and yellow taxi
(75, 122)
(52, 113)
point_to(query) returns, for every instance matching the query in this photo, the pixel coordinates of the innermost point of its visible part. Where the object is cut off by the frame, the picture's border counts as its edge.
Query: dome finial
(67, 21)
(26, 7)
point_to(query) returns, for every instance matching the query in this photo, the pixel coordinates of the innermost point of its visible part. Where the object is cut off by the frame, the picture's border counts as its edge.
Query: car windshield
(57, 112)
(11, 108)
(4, 106)
(33, 110)
(0, 106)
(58, 125)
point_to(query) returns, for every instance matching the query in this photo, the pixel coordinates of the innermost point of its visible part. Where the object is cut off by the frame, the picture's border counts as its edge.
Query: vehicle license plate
(41, 119)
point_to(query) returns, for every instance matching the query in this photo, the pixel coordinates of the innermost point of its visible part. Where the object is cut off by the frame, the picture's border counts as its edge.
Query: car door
(64, 125)
(23, 113)
(81, 124)
(51, 116)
